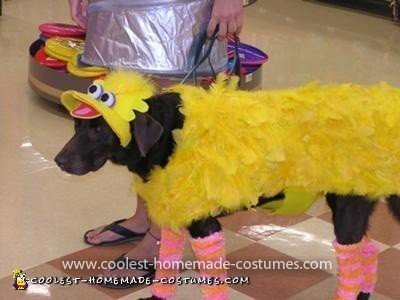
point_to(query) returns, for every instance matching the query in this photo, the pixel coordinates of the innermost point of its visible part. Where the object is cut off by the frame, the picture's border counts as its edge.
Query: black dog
(94, 143)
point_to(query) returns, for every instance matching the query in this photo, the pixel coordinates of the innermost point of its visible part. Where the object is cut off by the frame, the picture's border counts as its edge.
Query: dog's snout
(61, 161)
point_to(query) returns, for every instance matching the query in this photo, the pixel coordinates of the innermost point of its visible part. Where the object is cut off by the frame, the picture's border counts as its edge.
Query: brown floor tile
(326, 217)
(323, 290)
(272, 284)
(318, 208)
(388, 274)
(256, 224)
(308, 240)
(326, 289)
(97, 254)
(383, 226)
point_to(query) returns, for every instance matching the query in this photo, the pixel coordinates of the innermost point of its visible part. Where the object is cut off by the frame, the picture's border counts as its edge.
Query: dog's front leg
(171, 252)
(208, 244)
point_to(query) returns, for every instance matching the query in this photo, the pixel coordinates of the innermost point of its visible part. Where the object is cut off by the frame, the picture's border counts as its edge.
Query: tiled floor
(43, 212)
(305, 238)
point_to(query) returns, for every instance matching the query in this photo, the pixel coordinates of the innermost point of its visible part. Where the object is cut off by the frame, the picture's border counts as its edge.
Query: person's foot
(99, 236)
(148, 249)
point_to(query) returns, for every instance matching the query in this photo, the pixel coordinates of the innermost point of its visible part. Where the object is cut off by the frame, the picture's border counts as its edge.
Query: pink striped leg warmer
(369, 254)
(350, 270)
(210, 250)
(171, 251)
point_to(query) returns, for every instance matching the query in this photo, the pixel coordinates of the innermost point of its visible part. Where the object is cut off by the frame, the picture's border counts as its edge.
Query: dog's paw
(363, 296)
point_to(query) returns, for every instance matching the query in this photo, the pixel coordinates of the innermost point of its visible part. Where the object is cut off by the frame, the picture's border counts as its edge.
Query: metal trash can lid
(150, 36)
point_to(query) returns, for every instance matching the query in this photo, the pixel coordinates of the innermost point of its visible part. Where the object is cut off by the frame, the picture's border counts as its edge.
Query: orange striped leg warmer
(209, 251)
(369, 253)
(350, 269)
(171, 252)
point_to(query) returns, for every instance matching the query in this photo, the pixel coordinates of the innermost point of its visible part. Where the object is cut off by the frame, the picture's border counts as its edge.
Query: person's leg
(138, 223)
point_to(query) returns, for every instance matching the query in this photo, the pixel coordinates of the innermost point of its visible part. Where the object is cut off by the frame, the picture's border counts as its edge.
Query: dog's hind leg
(171, 252)
(356, 254)
(394, 205)
(208, 244)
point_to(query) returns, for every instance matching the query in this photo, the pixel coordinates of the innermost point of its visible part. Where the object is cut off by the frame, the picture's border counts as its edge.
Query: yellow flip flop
(64, 48)
(79, 69)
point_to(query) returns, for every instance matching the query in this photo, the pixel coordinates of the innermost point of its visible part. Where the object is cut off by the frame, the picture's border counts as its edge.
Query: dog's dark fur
(94, 143)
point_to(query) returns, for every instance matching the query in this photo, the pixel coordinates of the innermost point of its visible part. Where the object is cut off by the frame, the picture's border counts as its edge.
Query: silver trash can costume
(150, 36)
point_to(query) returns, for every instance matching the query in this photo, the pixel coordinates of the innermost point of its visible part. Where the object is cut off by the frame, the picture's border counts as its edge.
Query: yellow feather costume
(236, 146)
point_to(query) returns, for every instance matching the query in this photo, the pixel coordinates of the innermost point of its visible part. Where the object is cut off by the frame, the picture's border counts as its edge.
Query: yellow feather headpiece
(115, 98)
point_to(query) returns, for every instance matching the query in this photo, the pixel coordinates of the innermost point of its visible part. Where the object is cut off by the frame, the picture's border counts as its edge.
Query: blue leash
(198, 61)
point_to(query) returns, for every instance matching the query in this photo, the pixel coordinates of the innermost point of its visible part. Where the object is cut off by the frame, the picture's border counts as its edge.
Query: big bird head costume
(115, 98)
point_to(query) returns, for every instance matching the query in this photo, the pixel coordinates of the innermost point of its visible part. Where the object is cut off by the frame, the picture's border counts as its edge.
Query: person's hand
(78, 9)
(228, 14)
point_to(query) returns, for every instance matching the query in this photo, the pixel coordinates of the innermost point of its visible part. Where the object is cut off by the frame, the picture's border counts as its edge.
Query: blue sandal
(127, 235)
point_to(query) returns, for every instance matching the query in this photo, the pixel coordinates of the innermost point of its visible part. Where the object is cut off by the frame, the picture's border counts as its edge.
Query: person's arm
(78, 10)
(228, 14)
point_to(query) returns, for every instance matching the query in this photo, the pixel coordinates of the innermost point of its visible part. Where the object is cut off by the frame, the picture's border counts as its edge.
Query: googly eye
(95, 90)
(108, 99)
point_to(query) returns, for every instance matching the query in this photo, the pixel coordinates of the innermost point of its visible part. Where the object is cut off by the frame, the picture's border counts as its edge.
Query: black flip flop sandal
(127, 235)
(150, 272)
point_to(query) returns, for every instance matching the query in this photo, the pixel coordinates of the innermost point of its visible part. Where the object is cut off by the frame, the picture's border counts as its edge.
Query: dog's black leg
(204, 228)
(208, 245)
(350, 218)
(264, 200)
(394, 205)
(363, 296)
(261, 201)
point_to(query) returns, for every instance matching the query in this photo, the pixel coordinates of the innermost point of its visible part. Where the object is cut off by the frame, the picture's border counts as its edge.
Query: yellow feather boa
(237, 145)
